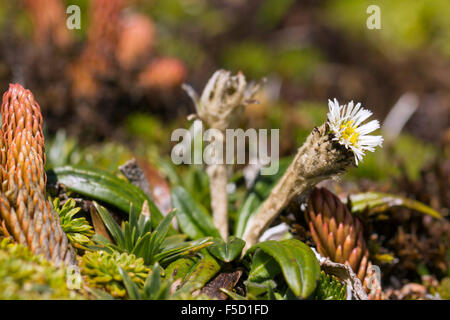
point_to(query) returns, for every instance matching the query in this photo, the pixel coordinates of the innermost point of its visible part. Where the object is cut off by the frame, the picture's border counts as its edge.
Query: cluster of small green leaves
(329, 288)
(137, 237)
(78, 230)
(101, 269)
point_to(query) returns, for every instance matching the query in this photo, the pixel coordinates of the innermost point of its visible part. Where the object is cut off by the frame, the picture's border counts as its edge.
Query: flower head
(220, 104)
(346, 124)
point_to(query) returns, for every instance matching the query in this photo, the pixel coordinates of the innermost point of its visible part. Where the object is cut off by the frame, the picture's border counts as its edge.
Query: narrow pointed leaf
(379, 202)
(132, 289)
(233, 295)
(110, 224)
(247, 210)
(192, 219)
(181, 250)
(155, 280)
(160, 233)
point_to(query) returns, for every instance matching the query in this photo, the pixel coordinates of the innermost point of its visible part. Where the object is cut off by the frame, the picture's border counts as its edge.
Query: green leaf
(201, 272)
(110, 224)
(132, 289)
(192, 219)
(154, 284)
(183, 249)
(179, 268)
(379, 202)
(227, 251)
(247, 209)
(263, 267)
(262, 290)
(298, 263)
(170, 242)
(233, 295)
(141, 248)
(104, 186)
(160, 234)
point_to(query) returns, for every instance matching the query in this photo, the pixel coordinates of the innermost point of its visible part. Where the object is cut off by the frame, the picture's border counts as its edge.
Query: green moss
(444, 288)
(24, 275)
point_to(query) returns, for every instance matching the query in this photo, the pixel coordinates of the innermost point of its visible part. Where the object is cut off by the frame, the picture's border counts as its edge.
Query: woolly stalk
(318, 159)
(220, 107)
(339, 143)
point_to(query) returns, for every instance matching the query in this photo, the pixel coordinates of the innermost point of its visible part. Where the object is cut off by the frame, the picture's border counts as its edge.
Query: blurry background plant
(308, 50)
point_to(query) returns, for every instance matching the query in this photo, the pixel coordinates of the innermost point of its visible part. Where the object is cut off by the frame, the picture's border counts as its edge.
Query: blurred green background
(308, 51)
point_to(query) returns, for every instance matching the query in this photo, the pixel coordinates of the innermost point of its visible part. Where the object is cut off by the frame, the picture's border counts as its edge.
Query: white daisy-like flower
(346, 124)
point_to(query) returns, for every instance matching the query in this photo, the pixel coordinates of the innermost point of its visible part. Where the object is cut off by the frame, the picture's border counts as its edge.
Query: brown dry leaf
(159, 186)
(145, 209)
(98, 224)
(226, 280)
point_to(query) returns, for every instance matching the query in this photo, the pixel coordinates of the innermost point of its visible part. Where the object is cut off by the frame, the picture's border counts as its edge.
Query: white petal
(361, 116)
(368, 127)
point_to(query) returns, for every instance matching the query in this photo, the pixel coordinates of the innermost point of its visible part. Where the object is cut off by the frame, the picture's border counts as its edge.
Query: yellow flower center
(349, 132)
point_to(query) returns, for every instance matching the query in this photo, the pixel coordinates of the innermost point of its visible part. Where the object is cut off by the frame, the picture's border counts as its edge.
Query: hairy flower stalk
(338, 235)
(26, 213)
(328, 151)
(220, 107)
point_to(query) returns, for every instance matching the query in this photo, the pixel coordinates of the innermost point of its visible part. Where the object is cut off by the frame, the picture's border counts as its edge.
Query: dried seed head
(26, 213)
(222, 99)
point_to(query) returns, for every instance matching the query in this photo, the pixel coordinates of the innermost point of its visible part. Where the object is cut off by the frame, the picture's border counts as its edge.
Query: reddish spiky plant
(26, 213)
(49, 21)
(136, 39)
(98, 57)
(338, 234)
(163, 74)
